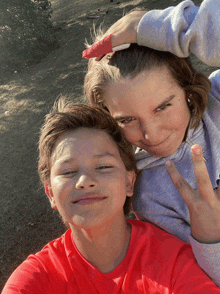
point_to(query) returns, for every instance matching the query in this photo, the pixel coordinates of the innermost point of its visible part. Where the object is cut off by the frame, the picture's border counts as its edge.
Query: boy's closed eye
(69, 172)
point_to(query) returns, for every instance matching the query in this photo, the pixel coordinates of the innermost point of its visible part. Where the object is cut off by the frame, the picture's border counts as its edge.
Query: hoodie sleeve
(184, 29)
(208, 258)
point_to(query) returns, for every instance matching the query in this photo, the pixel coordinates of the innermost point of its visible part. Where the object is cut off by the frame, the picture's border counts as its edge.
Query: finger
(103, 47)
(99, 49)
(117, 26)
(110, 39)
(124, 31)
(117, 44)
(124, 37)
(185, 190)
(202, 177)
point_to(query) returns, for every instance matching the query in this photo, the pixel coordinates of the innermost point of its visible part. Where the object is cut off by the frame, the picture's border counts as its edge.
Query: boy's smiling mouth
(89, 198)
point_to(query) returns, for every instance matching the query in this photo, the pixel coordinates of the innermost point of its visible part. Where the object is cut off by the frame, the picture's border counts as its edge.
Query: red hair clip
(102, 48)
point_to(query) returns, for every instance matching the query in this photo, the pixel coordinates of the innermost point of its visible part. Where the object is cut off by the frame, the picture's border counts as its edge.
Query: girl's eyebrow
(166, 100)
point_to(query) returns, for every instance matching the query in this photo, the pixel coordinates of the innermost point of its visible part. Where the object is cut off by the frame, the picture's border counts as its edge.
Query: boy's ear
(49, 194)
(131, 177)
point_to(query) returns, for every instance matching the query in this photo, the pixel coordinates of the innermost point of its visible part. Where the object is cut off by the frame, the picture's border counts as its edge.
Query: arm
(181, 30)
(184, 29)
(208, 258)
(204, 208)
(213, 107)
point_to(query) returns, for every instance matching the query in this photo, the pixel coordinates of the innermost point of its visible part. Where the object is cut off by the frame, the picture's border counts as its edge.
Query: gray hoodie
(182, 30)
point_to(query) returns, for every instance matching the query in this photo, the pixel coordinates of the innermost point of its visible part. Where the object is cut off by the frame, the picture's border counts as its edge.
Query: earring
(189, 99)
(190, 105)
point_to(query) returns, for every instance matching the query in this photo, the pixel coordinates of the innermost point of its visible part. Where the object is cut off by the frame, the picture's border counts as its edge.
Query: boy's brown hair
(67, 116)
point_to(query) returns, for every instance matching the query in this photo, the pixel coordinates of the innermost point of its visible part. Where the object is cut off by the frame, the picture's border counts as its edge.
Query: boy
(88, 171)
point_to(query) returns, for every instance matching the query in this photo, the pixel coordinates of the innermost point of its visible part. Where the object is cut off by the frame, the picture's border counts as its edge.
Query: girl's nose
(149, 131)
(86, 181)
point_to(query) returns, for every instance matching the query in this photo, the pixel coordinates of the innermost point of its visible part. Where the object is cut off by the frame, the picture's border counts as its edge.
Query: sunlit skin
(151, 109)
(88, 181)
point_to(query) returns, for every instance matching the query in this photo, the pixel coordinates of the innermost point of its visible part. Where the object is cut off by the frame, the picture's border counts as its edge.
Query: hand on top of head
(124, 31)
(203, 203)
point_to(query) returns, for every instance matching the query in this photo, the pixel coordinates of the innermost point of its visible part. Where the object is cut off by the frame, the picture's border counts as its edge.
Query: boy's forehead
(84, 141)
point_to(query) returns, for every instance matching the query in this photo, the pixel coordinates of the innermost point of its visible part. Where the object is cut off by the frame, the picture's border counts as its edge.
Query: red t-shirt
(156, 263)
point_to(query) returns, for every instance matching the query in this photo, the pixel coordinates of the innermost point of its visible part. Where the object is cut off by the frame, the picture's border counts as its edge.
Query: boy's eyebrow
(104, 154)
(71, 159)
(66, 160)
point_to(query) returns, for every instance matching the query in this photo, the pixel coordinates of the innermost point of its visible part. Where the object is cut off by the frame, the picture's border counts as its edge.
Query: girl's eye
(126, 120)
(163, 107)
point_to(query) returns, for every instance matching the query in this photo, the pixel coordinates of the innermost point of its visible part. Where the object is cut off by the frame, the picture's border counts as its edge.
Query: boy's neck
(106, 246)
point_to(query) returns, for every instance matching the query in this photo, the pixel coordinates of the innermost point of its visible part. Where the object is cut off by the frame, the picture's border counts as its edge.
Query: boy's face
(88, 181)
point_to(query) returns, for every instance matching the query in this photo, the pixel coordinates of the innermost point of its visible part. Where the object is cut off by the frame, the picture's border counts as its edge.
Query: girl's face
(151, 109)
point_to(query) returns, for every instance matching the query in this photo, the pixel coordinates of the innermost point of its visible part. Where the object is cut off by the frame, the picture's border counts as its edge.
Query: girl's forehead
(152, 75)
(154, 82)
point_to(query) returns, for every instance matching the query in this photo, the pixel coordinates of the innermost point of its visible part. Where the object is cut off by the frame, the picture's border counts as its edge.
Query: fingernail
(196, 149)
(121, 47)
(168, 162)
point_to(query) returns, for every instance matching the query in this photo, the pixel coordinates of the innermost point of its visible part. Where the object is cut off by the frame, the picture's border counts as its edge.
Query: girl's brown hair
(136, 59)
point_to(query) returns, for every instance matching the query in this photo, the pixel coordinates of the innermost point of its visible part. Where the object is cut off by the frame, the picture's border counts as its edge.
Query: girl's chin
(160, 153)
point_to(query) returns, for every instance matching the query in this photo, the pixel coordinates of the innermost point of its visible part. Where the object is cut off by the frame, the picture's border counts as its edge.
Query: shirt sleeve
(28, 278)
(184, 29)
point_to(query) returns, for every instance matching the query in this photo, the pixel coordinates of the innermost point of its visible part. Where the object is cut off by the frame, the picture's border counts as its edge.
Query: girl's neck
(105, 246)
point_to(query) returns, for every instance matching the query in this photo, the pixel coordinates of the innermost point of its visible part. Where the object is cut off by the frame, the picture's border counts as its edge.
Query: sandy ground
(26, 220)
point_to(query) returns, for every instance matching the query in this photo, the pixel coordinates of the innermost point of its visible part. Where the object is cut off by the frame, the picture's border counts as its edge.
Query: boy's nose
(86, 181)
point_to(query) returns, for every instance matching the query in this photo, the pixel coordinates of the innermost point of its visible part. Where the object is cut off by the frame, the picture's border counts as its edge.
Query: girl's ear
(131, 177)
(49, 194)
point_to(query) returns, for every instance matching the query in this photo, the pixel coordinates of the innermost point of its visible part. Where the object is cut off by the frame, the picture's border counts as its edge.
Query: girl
(163, 106)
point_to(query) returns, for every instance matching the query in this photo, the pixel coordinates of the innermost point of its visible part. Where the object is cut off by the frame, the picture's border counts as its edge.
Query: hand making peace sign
(203, 203)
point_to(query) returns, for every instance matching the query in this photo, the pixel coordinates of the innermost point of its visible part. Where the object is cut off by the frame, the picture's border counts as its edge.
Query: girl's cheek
(131, 135)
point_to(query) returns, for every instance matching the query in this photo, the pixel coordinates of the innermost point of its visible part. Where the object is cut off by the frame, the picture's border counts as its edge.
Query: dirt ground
(27, 222)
